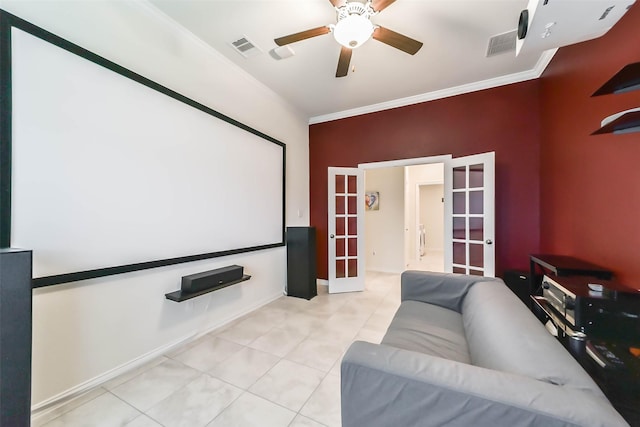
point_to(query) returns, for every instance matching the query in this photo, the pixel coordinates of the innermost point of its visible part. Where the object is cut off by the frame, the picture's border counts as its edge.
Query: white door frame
(447, 160)
(406, 162)
(402, 163)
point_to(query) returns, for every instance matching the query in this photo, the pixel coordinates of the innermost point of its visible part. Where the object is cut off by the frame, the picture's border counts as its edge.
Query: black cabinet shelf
(625, 80)
(564, 265)
(179, 296)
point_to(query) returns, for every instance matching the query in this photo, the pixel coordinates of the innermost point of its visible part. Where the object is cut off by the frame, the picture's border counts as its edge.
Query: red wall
(590, 185)
(504, 120)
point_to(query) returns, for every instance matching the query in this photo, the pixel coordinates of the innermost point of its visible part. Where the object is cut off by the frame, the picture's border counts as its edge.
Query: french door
(469, 215)
(469, 220)
(346, 228)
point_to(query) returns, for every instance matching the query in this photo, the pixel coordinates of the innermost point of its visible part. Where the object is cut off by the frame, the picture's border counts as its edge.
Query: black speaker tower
(15, 337)
(301, 262)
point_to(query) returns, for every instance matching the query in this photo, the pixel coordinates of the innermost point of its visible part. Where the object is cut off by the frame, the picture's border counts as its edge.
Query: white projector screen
(110, 175)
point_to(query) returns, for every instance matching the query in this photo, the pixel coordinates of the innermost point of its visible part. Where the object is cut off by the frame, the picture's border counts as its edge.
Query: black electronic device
(212, 278)
(520, 283)
(523, 24)
(562, 265)
(612, 313)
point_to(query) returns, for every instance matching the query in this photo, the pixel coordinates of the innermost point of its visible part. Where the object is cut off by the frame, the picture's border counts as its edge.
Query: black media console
(597, 320)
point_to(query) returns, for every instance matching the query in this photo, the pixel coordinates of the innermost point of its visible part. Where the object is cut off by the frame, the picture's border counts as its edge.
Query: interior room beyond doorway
(405, 227)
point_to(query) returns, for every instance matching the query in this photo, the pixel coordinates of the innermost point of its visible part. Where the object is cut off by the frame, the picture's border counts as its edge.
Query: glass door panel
(346, 205)
(469, 190)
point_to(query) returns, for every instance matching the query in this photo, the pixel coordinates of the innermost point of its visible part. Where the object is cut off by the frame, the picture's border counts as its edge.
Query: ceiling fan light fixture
(353, 31)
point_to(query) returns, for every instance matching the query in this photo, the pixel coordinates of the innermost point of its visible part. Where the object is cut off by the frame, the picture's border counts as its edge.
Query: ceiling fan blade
(302, 35)
(344, 61)
(397, 40)
(338, 3)
(378, 5)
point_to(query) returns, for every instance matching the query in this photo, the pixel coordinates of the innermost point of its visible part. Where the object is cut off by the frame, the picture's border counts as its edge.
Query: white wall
(432, 215)
(87, 332)
(415, 176)
(384, 228)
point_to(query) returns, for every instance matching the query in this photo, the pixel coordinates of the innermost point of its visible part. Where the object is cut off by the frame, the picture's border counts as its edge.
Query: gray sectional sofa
(464, 351)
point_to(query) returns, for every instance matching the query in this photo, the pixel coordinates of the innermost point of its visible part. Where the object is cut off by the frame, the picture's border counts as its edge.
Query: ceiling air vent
(245, 47)
(501, 43)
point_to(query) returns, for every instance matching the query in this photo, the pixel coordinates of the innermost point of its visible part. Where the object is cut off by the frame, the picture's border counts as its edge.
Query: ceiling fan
(354, 27)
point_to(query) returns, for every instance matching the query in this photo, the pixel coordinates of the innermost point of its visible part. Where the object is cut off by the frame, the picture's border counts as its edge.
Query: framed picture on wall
(372, 200)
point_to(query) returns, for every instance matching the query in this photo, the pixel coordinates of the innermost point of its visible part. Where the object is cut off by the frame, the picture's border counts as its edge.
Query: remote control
(603, 356)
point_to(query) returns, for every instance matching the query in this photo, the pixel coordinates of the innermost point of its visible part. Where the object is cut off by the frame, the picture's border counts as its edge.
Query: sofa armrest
(386, 386)
(444, 289)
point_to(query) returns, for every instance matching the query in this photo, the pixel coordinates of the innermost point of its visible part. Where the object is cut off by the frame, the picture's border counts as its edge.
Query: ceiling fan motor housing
(354, 26)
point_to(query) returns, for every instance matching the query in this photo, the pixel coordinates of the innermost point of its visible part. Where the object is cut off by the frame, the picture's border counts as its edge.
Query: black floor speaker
(301, 262)
(15, 337)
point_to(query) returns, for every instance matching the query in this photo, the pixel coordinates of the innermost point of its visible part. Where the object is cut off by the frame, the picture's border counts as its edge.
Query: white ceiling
(453, 59)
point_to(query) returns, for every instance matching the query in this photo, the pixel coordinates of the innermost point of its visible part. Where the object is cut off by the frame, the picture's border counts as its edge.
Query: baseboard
(322, 282)
(47, 406)
(53, 403)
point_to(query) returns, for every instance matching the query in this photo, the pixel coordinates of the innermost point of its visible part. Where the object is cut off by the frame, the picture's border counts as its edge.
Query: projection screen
(111, 172)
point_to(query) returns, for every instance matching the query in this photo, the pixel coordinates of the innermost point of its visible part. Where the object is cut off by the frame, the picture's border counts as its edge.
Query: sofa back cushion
(504, 335)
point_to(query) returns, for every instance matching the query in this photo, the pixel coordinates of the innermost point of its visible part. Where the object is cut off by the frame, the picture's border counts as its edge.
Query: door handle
(331, 236)
(489, 242)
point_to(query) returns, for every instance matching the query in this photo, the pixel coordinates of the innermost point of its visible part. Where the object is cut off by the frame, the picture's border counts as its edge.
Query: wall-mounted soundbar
(198, 284)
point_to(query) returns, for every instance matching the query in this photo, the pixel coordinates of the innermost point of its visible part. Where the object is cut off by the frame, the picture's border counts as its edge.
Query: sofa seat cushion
(429, 329)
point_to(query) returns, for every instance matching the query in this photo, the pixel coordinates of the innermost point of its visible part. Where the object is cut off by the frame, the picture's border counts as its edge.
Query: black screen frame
(9, 21)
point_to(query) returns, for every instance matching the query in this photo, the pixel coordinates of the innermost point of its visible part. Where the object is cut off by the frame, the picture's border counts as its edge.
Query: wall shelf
(179, 296)
(626, 122)
(625, 80)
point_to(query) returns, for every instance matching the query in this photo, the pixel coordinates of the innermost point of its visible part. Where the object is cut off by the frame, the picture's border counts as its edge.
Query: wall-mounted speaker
(211, 279)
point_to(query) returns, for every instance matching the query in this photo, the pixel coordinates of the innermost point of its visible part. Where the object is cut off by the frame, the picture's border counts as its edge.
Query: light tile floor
(277, 366)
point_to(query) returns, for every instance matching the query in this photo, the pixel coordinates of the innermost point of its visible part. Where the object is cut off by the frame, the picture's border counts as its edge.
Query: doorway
(424, 217)
(405, 230)
(392, 231)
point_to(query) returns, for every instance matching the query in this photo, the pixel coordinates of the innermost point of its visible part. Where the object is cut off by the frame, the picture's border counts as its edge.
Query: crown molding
(534, 73)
